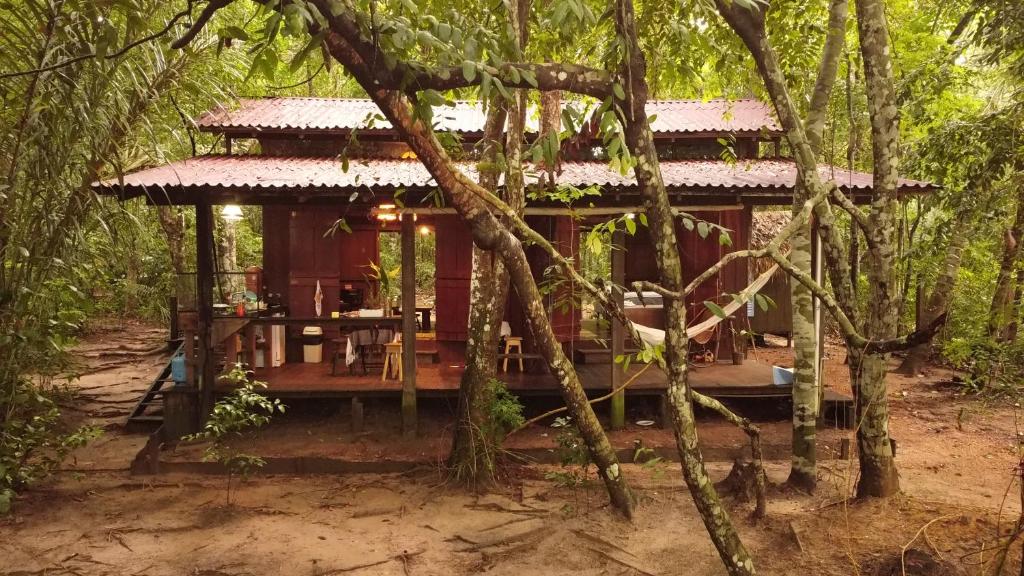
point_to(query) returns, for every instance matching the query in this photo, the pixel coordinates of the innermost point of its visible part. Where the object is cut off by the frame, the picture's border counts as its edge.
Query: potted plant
(383, 286)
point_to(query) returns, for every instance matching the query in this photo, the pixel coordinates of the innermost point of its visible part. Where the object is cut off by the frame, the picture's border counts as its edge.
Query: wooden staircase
(148, 412)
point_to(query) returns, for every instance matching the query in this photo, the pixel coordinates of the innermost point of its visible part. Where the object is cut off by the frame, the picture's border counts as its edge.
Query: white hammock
(654, 337)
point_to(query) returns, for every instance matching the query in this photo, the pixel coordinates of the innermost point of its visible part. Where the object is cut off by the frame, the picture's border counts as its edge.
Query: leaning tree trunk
(467, 199)
(661, 224)
(942, 293)
(878, 475)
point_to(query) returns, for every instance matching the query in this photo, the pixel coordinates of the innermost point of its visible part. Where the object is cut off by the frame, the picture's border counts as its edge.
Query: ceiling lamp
(231, 212)
(386, 213)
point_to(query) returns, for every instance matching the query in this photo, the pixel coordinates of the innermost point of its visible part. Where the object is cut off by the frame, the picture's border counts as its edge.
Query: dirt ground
(957, 458)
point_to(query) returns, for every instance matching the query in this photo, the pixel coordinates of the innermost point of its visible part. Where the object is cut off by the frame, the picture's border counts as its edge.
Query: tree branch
(113, 55)
(199, 23)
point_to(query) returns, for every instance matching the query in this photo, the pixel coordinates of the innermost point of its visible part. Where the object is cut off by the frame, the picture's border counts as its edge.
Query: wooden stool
(510, 343)
(392, 359)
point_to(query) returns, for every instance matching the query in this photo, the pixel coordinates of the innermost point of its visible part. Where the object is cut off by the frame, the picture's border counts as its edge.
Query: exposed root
(757, 461)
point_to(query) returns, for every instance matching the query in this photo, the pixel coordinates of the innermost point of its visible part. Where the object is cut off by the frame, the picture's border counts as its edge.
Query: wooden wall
(453, 266)
(697, 255)
(298, 251)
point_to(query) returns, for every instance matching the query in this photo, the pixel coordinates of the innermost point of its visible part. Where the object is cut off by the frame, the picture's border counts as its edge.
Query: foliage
(989, 368)
(240, 411)
(34, 442)
(504, 411)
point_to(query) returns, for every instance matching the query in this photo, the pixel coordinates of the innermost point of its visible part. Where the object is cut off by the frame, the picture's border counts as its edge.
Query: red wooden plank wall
(697, 255)
(453, 266)
(563, 305)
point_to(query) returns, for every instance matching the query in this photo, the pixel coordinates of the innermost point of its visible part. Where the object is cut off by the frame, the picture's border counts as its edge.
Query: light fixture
(386, 213)
(231, 212)
(425, 230)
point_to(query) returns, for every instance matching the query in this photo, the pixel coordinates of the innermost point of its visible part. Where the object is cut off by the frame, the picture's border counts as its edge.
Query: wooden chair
(510, 343)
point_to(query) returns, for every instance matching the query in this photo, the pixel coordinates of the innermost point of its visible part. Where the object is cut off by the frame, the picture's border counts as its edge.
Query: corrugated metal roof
(341, 114)
(290, 173)
(329, 114)
(689, 116)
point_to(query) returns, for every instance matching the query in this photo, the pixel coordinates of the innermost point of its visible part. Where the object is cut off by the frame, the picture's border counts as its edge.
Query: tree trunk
(1001, 308)
(803, 472)
(227, 248)
(475, 442)
(942, 294)
(174, 233)
(661, 225)
(878, 476)
(472, 458)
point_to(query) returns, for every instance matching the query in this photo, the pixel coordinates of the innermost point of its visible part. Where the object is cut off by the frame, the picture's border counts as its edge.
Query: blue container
(178, 369)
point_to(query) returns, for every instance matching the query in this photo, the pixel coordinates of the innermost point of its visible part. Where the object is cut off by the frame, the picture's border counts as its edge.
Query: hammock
(654, 337)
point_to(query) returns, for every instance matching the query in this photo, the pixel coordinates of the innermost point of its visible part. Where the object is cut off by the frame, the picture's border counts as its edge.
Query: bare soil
(957, 458)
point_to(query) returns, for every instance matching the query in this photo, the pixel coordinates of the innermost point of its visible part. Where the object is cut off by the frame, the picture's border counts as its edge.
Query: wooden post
(408, 326)
(618, 402)
(172, 307)
(204, 304)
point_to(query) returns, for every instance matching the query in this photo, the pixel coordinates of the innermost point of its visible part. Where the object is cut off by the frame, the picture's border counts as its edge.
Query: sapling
(243, 409)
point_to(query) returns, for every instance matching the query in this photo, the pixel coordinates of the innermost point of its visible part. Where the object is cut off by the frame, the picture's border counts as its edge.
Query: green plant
(990, 368)
(572, 455)
(34, 441)
(244, 409)
(505, 412)
(386, 281)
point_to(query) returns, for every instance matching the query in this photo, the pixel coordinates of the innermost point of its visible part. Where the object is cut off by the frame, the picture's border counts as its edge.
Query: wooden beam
(584, 211)
(618, 276)
(408, 327)
(204, 303)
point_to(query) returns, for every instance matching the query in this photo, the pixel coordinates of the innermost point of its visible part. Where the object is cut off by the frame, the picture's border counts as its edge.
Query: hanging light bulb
(231, 212)
(425, 230)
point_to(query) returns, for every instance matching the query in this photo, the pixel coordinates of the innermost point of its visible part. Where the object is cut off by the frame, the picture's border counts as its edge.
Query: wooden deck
(315, 380)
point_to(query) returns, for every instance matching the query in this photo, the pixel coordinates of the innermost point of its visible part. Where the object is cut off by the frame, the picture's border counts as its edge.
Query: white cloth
(350, 352)
(505, 330)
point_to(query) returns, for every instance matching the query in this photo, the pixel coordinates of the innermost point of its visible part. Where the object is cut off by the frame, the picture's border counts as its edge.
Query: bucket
(312, 344)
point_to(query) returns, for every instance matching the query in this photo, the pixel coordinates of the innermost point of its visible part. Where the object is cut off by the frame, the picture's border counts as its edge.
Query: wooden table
(423, 311)
(228, 326)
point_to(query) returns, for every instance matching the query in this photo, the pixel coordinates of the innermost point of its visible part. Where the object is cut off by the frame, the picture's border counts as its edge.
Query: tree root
(757, 460)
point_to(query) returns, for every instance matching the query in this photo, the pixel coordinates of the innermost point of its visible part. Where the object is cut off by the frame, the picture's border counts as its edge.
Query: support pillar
(618, 336)
(204, 304)
(408, 326)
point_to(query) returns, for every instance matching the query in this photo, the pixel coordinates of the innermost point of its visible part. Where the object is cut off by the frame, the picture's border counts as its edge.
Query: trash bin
(312, 344)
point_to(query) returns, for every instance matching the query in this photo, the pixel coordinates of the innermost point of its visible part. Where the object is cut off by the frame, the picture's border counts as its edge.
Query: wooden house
(295, 171)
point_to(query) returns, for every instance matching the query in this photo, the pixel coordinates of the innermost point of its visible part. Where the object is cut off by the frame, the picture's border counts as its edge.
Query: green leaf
(618, 91)
(630, 226)
(715, 309)
(468, 70)
(702, 229)
(530, 78)
(302, 55)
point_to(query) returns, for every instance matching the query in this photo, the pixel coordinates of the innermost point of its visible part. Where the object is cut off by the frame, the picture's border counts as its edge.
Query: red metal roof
(342, 114)
(328, 114)
(270, 173)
